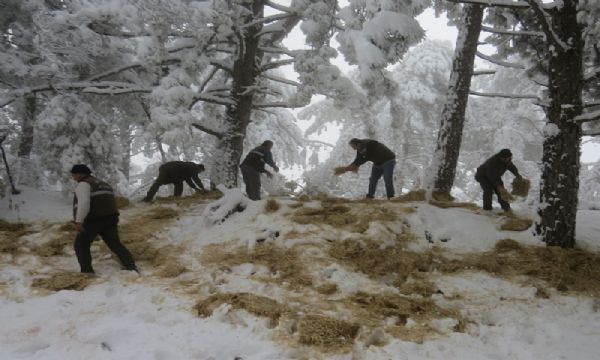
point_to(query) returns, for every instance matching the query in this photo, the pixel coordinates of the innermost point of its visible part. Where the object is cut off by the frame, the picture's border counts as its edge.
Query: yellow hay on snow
(415, 195)
(452, 204)
(516, 224)
(326, 332)
(65, 281)
(255, 304)
(520, 187)
(272, 206)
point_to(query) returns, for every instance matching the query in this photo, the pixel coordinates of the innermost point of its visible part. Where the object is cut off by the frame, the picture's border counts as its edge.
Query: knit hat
(80, 169)
(505, 153)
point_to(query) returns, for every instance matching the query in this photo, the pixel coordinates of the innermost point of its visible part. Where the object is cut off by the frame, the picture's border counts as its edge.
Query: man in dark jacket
(254, 164)
(384, 161)
(95, 213)
(176, 172)
(489, 176)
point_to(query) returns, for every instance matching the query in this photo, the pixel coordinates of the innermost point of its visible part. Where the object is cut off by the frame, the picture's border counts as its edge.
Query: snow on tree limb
(506, 3)
(276, 64)
(591, 133)
(588, 117)
(509, 96)
(546, 23)
(499, 62)
(511, 32)
(591, 104)
(278, 6)
(281, 80)
(267, 19)
(483, 72)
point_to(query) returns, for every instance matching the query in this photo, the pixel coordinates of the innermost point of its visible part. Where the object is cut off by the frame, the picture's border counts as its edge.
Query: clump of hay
(54, 247)
(326, 332)
(284, 262)
(516, 224)
(255, 304)
(327, 289)
(11, 227)
(172, 269)
(334, 215)
(440, 195)
(198, 197)
(272, 206)
(415, 195)
(451, 204)
(371, 259)
(122, 202)
(507, 245)
(65, 281)
(520, 187)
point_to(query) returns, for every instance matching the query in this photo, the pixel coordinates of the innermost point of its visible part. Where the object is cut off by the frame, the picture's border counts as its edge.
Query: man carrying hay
(176, 172)
(384, 161)
(254, 164)
(95, 213)
(489, 176)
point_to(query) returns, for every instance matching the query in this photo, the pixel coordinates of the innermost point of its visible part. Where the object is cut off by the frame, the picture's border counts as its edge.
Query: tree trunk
(560, 160)
(445, 157)
(230, 147)
(27, 124)
(126, 139)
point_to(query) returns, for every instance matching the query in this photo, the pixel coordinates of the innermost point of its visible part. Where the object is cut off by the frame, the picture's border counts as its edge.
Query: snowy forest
(125, 86)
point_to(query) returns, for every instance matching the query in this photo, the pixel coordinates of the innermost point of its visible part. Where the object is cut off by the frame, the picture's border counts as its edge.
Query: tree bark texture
(445, 157)
(27, 124)
(246, 69)
(560, 160)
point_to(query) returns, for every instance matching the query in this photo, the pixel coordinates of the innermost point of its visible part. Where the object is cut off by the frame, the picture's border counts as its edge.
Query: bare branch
(591, 104)
(213, 99)
(509, 96)
(276, 104)
(511, 32)
(276, 50)
(499, 62)
(278, 7)
(267, 19)
(208, 78)
(591, 133)
(483, 72)
(318, 142)
(217, 134)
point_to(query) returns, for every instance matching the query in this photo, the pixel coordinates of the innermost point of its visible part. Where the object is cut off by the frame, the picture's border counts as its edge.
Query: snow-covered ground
(121, 315)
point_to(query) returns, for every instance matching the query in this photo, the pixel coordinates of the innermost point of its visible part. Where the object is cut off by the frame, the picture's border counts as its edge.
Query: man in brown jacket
(95, 213)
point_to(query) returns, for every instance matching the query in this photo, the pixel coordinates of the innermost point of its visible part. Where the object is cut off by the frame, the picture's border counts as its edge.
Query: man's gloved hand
(339, 170)
(505, 195)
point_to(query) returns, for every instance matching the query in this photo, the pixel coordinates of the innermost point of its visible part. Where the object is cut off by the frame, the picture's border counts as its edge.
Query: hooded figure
(254, 164)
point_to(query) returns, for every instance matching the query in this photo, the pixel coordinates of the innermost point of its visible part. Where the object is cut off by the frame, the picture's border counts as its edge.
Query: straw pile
(65, 281)
(520, 187)
(327, 332)
(255, 304)
(272, 206)
(516, 224)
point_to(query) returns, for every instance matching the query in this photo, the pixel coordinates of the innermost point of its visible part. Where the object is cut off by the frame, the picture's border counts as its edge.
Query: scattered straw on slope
(10, 234)
(516, 224)
(282, 261)
(196, 198)
(55, 246)
(272, 206)
(353, 216)
(65, 281)
(451, 204)
(564, 269)
(258, 305)
(326, 332)
(415, 195)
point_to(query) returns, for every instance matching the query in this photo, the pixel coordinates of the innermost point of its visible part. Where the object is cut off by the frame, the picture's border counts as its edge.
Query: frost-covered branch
(276, 64)
(505, 3)
(502, 95)
(223, 66)
(591, 104)
(591, 133)
(278, 6)
(546, 23)
(207, 130)
(588, 117)
(483, 72)
(499, 62)
(281, 80)
(219, 100)
(276, 104)
(591, 74)
(114, 31)
(208, 78)
(267, 19)
(102, 88)
(511, 32)
(276, 50)
(318, 142)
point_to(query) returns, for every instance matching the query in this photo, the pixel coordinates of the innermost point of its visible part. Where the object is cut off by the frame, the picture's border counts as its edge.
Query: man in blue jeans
(384, 161)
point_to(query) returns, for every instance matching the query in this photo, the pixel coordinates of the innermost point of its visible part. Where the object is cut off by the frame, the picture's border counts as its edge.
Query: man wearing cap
(254, 164)
(489, 176)
(95, 213)
(384, 161)
(176, 172)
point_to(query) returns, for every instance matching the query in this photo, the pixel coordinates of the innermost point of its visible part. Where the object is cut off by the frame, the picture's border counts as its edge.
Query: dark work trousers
(177, 191)
(488, 192)
(106, 227)
(251, 178)
(387, 170)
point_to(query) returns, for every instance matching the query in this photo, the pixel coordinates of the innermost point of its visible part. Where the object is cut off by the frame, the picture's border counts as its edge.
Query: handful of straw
(520, 187)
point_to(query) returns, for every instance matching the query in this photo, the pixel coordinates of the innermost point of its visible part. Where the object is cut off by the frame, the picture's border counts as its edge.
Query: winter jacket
(374, 151)
(258, 157)
(174, 172)
(492, 170)
(98, 200)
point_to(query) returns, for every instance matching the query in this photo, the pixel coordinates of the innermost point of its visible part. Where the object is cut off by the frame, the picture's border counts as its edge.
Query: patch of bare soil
(65, 281)
(284, 262)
